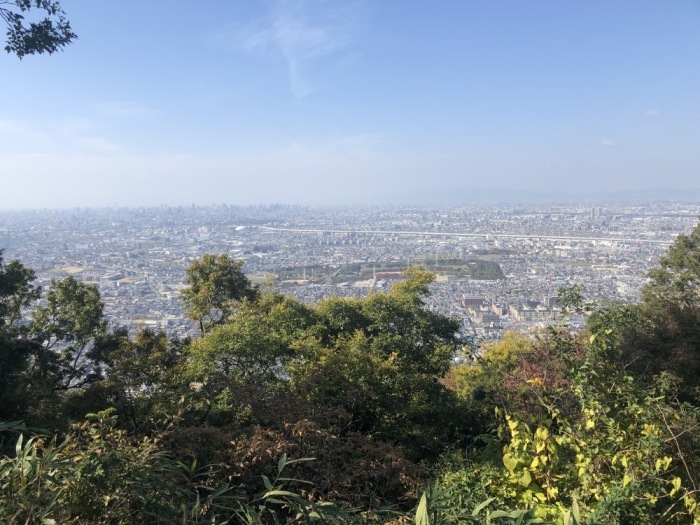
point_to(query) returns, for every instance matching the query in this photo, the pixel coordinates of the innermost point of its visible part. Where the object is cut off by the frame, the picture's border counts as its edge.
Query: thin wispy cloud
(607, 143)
(302, 33)
(652, 113)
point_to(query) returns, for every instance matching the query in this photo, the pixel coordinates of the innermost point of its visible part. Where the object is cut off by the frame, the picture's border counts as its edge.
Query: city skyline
(355, 102)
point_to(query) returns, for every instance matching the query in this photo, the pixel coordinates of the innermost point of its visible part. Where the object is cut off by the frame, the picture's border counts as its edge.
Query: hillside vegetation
(350, 410)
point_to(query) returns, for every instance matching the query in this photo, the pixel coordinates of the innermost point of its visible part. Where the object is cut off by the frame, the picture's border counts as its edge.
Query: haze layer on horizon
(351, 102)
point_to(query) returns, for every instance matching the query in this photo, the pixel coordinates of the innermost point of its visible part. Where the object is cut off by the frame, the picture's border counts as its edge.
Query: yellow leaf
(676, 485)
(542, 433)
(510, 462)
(525, 479)
(626, 480)
(652, 499)
(590, 424)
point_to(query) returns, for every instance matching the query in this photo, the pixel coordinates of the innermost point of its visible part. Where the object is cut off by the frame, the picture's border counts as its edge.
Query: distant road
(494, 235)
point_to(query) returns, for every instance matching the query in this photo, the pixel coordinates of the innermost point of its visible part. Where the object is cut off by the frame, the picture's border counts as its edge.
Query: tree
(576, 430)
(45, 35)
(17, 292)
(216, 284)
(140, 378)
(66, 327)
(677, 279)
(662, 333)
(240, 365)
(377, 365)
(50, 353)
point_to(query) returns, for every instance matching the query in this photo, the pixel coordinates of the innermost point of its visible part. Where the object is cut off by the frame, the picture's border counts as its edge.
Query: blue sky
(351, 102)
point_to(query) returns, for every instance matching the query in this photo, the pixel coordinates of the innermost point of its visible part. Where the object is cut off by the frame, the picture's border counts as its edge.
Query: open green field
(480, 269)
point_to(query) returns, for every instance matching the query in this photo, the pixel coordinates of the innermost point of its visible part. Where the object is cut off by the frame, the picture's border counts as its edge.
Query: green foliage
(614, 458)
(552, 427)
(677, 279)
(17, 291)
(660, 333)
(277, 503)
(481, 380)
(572, 300)
(238, 370)
(368, 366)
(583, 441)
(601, 440)
(96, 475)
(517, 373)
(464, 484)
(434, 508)
(378, 363)
(352, 469)
(216, 284)
(47, 35)
(67, 326)
(141, 378)
(50, 354)
(101, 475)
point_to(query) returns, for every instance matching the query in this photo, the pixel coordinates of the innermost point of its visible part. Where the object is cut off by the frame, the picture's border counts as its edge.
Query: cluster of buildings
(138, 256)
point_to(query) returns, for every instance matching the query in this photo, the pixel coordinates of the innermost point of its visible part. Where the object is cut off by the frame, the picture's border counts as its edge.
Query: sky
(342, 102)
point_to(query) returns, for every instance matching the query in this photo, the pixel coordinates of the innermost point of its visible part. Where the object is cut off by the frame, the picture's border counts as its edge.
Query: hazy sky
(341, 101)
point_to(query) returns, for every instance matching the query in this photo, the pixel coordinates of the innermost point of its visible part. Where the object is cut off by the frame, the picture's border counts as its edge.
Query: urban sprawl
(497, 268)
